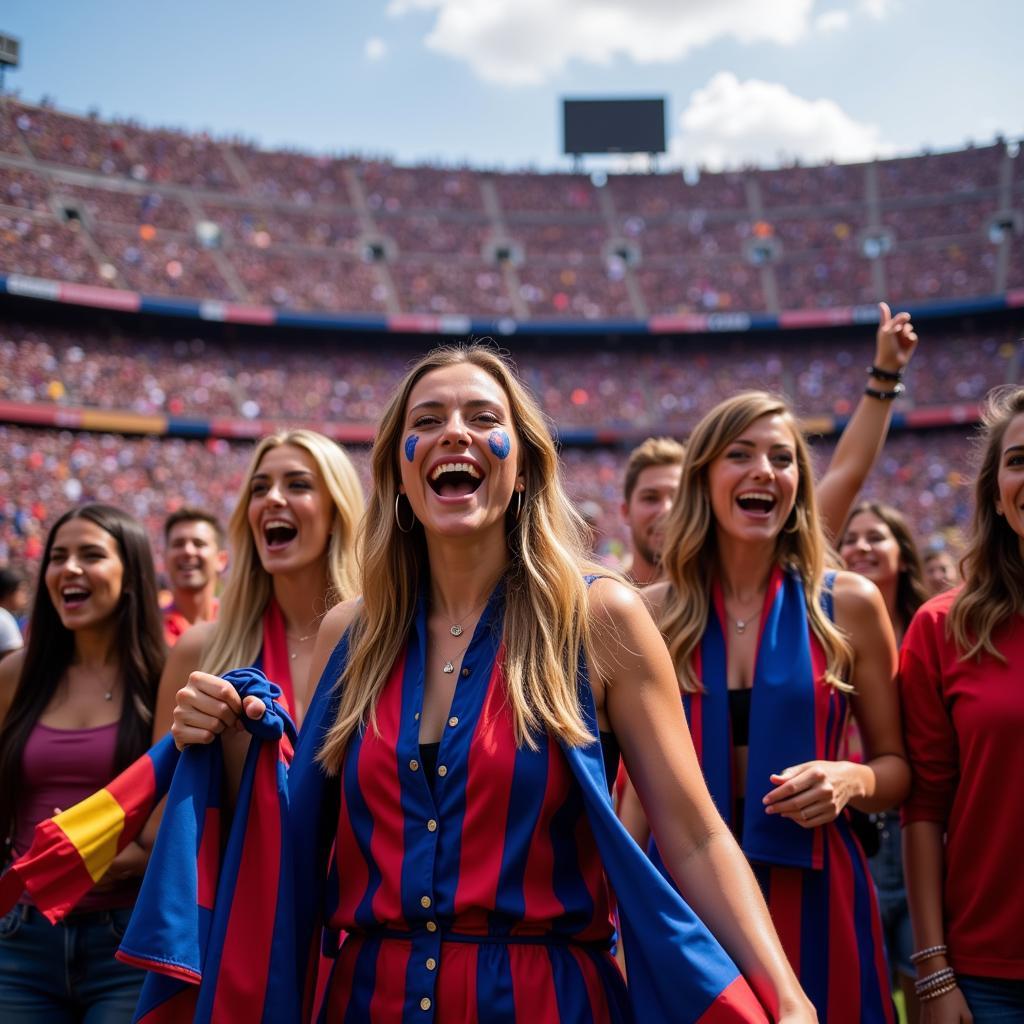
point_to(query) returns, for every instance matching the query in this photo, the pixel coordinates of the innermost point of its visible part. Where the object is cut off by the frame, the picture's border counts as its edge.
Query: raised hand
(895, 340)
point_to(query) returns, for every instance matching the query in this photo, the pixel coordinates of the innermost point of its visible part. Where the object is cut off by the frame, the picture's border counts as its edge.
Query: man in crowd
(195, 557)
(652, 479)
(13, 601)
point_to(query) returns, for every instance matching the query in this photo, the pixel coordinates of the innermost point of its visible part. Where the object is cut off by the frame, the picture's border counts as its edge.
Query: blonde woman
(960, 683)
(292, 540)
(462, 736)
(770, 652)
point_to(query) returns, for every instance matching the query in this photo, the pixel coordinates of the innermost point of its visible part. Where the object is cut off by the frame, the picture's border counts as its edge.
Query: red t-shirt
(964, 724)
(175, 623)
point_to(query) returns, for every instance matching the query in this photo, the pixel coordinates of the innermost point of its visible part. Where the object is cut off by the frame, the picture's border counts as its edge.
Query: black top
(739, 717)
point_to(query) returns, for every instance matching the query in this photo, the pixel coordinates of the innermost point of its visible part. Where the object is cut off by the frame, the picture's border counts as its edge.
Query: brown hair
(992, 566)
(911, 591)
(689, 553)
(187, 514)
(655, 451)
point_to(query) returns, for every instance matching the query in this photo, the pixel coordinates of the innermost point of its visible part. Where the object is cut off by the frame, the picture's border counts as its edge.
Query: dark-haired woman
(962, 687)
(76, 708)
(877, 542)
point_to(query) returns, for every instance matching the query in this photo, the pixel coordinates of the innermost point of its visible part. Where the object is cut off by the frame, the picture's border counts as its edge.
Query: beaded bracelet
(935, 980)
(928, 953)
(891, 375)
(885, 396)
(935, 993)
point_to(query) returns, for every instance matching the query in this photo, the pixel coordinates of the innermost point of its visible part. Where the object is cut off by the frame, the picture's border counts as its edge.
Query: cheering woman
(76, 708)
(292, 540)
(963, 702)
(463, 702)
(771, 652)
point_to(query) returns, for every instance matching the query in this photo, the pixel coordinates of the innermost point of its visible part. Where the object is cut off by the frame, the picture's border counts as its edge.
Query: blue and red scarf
(789, 719)
(206, 923)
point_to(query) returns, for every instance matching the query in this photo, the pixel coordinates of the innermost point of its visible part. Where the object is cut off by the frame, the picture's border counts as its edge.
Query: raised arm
(862, 440)
(638, 697)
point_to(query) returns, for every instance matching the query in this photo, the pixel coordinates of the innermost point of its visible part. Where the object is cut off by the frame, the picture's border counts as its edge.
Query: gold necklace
(298, 640)
(741, 624)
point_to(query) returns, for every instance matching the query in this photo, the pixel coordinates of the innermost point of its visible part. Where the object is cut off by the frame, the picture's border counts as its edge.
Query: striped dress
(816, 881)
(481, 898)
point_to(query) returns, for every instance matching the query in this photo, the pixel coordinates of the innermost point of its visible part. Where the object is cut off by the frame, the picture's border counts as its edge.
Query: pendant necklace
(449, 666)
(741, 624)
(456, 627)
(298, 640)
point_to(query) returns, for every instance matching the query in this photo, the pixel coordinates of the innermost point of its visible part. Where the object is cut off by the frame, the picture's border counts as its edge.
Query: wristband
(895, 376)
(885, 396)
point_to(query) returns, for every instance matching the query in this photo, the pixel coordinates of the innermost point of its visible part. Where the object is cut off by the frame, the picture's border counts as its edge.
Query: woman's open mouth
(758, 503)
(455, 479)
(278, 534)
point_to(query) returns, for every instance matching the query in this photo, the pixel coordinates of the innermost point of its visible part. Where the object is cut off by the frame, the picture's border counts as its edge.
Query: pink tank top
(60, 767)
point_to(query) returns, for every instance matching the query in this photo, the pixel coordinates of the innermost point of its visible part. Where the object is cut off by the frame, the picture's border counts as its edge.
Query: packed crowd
(639, 390)
(468, 530)
(45, 471)
(692, 242)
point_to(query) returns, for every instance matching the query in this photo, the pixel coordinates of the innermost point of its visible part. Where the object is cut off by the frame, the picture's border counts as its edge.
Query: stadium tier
(144, 215)
(46, 471)
(144, 377)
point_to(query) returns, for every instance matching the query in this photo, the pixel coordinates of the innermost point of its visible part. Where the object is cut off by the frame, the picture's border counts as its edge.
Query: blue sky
(479, 81)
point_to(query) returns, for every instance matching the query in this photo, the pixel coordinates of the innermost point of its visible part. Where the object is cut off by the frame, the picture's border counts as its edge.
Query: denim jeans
(993, 1000)
(65, 973)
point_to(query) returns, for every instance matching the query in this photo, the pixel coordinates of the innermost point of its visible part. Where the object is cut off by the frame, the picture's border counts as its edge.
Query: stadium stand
(231, 227)
(167, 213)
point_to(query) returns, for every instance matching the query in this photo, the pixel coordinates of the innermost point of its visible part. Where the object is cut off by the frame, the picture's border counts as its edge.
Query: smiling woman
(76, 708)
(292, 539)
(772, 654)
(960, 682)
(467, 800)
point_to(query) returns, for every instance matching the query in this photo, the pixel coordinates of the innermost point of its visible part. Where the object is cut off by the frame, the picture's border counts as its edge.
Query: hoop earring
(519, 505)
(398, 521)
(795, 528)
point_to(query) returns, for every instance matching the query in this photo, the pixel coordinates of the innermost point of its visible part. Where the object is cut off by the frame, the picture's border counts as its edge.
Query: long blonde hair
(546, 620)
(238, 635)
(690, 551)
(992, 566)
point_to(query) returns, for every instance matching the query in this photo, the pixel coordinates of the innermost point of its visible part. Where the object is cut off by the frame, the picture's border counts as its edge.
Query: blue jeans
(65, 973)
(993, 1000)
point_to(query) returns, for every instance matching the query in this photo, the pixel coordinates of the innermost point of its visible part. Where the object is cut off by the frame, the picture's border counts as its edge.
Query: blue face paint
(499, 443)
(410, 446)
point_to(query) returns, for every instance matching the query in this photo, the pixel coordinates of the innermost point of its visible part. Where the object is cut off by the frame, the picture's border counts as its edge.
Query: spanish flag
(72, 851)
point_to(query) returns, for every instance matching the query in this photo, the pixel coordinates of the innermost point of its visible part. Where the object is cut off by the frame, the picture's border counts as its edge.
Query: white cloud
(877, 9)
(729, 123)
(525, 42)
(375, 48)
(832, 21)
